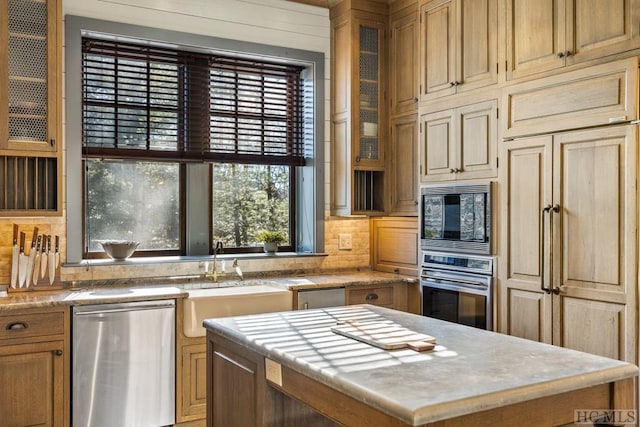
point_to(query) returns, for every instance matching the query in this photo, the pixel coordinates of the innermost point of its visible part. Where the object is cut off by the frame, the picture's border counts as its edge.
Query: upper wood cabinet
(459, 46)
(459, 143)
(403, 165)
(359, 123)
(404, 41)
(29, 78)
(30, 106)
(593, 96)
(568, 240)
(549, 34)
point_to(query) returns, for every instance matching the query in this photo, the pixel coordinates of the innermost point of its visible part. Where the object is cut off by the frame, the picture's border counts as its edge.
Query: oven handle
(466, 280)
(454, 285)
(545, 210)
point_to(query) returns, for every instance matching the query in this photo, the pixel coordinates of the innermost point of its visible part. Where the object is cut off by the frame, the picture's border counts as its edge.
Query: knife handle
(15, 234)
(22, 239)
(34, 238)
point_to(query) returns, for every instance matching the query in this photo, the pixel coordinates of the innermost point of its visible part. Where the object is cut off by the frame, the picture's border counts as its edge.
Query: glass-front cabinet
(368, 144)
(358, 112)
(29, 106)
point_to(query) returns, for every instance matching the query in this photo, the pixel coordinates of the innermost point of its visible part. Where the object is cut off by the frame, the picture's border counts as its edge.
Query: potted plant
(271, 239)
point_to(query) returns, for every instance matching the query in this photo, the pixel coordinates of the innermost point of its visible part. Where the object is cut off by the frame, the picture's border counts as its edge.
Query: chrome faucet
(214, 274)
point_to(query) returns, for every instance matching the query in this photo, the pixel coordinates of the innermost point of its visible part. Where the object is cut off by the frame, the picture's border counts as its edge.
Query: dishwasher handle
(120, 308)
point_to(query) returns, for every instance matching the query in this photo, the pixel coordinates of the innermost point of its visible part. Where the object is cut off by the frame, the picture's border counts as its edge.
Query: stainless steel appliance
(319, 298)
(458, 288)
(456, 217)
(124, 364)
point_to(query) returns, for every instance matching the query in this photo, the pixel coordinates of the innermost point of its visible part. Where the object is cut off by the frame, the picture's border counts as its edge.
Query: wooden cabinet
(546, 35)
(30, 107)
(403, 165)
(358, 116)
(394, 245)
(193, 381)
(390, 295)
(404, 41)
(459, 46)
(34, 367)
(459, 143)
(593, 96)
(568, 267)
(236, 385)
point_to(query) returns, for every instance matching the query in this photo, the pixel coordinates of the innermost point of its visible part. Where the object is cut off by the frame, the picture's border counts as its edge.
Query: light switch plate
(345, 241)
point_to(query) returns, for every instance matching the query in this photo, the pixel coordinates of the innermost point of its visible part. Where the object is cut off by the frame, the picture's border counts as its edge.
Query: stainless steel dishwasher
(124, 364)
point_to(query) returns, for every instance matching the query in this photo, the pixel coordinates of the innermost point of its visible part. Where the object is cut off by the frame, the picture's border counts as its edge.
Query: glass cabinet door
(29, 28)
(368, 150)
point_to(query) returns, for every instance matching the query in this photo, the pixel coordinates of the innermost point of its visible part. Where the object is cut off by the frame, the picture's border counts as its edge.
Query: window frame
(309, 195)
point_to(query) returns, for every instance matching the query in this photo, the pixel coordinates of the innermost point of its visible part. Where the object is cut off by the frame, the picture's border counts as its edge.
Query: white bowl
(119, 250)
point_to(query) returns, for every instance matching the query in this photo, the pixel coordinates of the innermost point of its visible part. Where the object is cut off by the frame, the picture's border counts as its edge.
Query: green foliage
(247, 199)
(272, 236)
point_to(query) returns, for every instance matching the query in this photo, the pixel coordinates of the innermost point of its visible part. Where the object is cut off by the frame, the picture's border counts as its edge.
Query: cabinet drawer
(376, 296)
(31, 325)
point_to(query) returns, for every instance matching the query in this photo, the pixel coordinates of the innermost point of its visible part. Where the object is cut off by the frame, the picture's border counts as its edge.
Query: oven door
(457, 297)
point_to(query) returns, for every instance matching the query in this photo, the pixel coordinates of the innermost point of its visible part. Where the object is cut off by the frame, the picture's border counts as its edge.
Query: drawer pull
(17, 325)
(371, 297)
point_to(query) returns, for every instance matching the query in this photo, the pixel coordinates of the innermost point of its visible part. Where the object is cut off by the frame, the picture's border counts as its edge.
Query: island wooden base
(241, 392)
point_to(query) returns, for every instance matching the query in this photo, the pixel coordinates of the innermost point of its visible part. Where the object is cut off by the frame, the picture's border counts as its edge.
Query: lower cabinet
(194, 380)
(392, 295)
(34, 368)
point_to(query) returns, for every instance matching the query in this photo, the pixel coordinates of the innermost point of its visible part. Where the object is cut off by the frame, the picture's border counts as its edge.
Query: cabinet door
(403, 60)
(594, 254)
(477, 47)
(525, 310)
(32, 381)
(194, 382)
(438, 49)
(404, 165)
(437, 146)
(235, 385)
(535, 36)
(29, 75)
(601, 28)
(368, 123)
(476, 133)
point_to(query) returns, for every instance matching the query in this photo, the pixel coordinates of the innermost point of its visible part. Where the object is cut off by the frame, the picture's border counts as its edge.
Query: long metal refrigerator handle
(554, 209)
(545, 210)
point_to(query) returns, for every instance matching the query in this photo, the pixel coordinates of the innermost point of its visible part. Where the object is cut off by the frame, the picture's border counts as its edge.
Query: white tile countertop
(470, 370)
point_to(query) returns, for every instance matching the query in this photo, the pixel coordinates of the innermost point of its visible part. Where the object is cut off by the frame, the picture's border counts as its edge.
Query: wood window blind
(153, 103)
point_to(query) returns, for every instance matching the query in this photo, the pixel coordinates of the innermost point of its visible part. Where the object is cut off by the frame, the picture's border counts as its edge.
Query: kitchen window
(165, 129)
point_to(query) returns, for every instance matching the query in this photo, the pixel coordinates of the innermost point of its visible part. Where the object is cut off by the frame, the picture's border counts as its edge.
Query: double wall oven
(457, 269)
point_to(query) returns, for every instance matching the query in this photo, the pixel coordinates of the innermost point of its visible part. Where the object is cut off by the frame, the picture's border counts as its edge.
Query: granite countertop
(470, 370)
(120, 293)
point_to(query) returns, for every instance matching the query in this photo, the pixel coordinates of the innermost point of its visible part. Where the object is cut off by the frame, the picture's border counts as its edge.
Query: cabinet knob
(58, 352)
(560, 55)
(568, 53)
(357, 159)
(52, 142)
(371, 297)
(452, 170)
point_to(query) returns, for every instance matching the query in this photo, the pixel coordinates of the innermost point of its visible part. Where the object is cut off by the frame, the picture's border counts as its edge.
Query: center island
(291, 369)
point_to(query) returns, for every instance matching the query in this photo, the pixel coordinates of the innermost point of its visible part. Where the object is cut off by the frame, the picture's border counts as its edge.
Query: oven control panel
(458, 262)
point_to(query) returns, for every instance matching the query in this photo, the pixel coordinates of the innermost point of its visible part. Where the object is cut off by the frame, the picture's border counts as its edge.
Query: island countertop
(469, 371)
